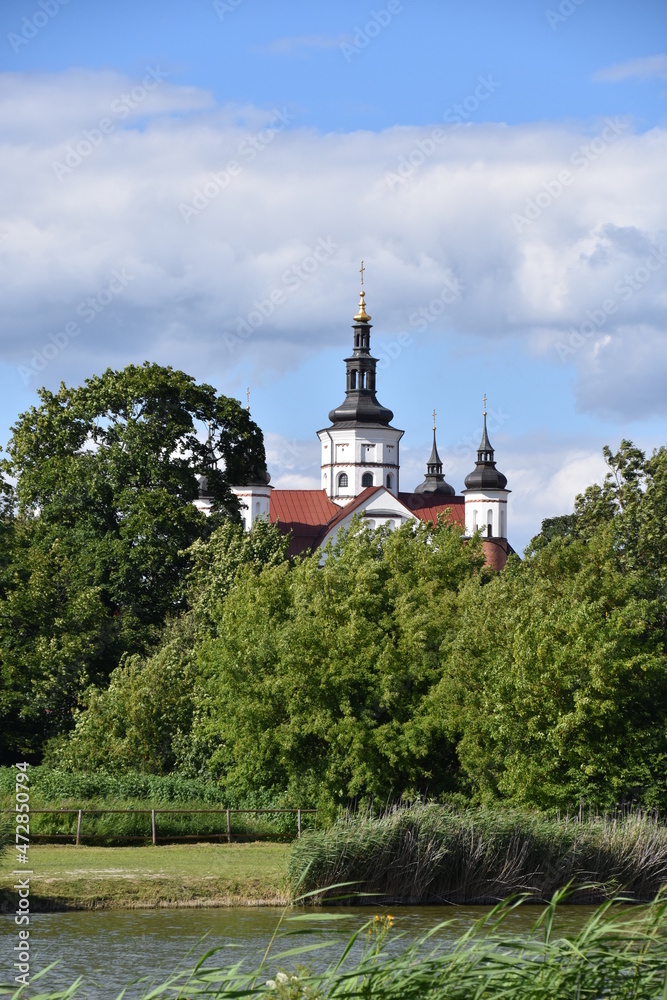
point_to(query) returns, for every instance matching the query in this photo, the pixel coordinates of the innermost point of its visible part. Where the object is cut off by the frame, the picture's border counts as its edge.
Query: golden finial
(434, 420)
(362, 316)
(484, 404)
(247, 398)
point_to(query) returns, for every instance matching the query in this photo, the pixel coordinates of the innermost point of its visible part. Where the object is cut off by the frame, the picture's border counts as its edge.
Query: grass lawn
(170, 875)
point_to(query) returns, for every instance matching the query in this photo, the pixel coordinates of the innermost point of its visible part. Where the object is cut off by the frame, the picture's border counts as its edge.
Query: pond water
(111, 948)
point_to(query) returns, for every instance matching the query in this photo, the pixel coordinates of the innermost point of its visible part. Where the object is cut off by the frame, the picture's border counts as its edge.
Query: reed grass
(427, 853)
(617, 954)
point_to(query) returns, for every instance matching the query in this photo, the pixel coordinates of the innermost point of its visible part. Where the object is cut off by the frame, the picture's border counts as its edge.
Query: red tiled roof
(355, 504)
(309, 514)
(428, 508)
(304, 513)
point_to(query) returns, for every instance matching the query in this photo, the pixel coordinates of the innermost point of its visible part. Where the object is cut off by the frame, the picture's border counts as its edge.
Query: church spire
(485, 475)
(360, 404)
(435, 480)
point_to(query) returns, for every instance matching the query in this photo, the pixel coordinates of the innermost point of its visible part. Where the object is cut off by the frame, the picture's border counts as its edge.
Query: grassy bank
(617, 955)
(172, 875)
(433, 854)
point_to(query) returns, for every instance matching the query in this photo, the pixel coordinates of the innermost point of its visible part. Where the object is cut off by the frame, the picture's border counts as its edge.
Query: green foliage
(318, 687)
(51, 786)
(97, 548)
(557, 681)
(143, 718)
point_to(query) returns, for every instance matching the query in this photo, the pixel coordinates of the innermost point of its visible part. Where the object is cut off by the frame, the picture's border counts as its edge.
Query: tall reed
(427, 853)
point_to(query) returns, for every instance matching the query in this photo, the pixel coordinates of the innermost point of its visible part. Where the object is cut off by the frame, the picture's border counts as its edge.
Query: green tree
(105, 478)
(318, 685)
(143, 717)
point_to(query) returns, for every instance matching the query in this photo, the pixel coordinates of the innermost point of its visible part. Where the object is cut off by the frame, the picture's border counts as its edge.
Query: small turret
(486, 502)
(435, 480)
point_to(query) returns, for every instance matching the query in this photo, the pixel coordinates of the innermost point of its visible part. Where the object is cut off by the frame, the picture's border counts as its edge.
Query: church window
(342, 480)
(353, 380)
(367, 479)
(474, 520)
(389, 481)
(489, 524)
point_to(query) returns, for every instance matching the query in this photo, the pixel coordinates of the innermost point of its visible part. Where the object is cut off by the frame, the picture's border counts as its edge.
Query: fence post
(298, 823)
(154, 831)
(78, 827)
(229, 829)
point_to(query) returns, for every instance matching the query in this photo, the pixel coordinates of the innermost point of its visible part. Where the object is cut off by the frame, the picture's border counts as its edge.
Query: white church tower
(486, 497)
(360, 447)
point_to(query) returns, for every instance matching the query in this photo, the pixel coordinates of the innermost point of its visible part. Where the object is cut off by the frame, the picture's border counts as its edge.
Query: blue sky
(179, 163)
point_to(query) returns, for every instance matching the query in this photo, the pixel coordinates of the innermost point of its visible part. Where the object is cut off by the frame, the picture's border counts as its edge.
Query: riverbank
(173, 875)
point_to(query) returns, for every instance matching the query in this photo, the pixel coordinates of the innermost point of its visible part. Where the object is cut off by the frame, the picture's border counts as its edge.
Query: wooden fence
(80, 813)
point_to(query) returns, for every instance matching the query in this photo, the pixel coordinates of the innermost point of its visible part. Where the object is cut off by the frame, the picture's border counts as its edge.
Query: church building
(360, 474)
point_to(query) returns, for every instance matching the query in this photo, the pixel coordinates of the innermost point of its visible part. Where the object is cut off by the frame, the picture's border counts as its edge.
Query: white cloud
(265, 193)
(650, 67)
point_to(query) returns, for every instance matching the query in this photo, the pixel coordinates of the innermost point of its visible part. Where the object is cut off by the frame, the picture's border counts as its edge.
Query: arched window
(367, 479)
(474, 520)
(489, 524)
(342, 480)
(390, 481)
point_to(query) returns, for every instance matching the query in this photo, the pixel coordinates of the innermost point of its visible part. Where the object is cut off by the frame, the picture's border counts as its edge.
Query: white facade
(254, 501)
(383, 508)
(486, 512)
(354, 458)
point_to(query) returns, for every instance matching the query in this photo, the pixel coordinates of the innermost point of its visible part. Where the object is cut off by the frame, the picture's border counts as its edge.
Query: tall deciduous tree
(105, 478)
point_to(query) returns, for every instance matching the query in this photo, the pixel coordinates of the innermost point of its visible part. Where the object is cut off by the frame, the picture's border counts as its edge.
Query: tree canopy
(102, 521)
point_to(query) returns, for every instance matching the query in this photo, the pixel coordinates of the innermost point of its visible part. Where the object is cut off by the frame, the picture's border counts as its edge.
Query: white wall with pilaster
(355, 452)
(484, 508)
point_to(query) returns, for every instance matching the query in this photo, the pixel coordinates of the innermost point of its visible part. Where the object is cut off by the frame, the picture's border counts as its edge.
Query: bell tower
(360, 447)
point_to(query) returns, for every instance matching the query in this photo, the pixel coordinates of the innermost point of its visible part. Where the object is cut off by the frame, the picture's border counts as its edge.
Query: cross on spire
(433, 419)
(361, 272)
(484, 404)
(247, 398)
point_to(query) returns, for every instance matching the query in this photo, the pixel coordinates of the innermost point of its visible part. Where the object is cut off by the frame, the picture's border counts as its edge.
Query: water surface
(112, 948)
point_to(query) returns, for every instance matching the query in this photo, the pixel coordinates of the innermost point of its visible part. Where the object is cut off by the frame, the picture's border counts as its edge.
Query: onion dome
(435, 480)
(485, 476)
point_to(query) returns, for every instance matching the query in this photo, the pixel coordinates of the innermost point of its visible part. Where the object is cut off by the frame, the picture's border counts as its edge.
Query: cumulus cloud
(647, 68)
(240, 231)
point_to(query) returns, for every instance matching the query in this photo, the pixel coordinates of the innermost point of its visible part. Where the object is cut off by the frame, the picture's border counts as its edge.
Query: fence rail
(154, 813)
